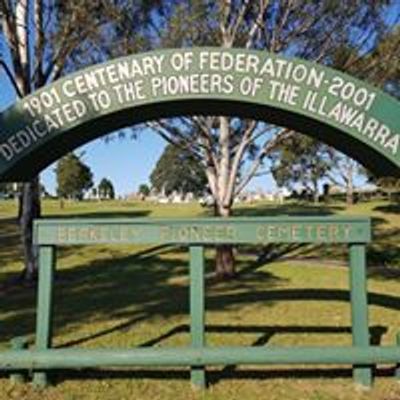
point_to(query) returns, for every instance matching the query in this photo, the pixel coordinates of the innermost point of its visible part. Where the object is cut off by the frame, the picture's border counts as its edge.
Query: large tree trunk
(225, 259)
(30, 209)
(349, 195)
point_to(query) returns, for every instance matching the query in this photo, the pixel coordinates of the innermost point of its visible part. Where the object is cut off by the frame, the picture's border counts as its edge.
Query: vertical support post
(397, 370)
(18, 343)
(197, 330)
(362, 374)
(44, 306)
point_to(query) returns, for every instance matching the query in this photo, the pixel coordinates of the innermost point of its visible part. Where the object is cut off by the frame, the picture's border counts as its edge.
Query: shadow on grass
(392, 208)
(214, 375)
(226, 301)
(267, 331)
(10, 241)
(151, 283)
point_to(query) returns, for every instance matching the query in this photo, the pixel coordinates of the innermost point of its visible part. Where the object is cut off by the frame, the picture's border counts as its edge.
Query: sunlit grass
(126, 296)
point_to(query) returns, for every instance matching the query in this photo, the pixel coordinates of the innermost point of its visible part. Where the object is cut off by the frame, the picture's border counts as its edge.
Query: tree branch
(10, 76)
(237, 161)
(267, 148)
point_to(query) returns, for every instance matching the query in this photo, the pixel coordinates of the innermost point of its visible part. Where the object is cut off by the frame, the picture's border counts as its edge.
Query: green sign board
(204, 231)
(338, 109)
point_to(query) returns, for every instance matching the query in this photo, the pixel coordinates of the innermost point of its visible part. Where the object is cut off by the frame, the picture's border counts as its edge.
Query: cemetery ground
(127, 296)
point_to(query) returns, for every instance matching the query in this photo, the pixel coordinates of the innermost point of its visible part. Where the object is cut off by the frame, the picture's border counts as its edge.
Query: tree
(106, 190)
(312, 30)
(40, 40)
(73, 177)
(389, 185)
(308, 162)
(177, 170)
(344, 172)
(144, 190)
(301, 160)
(380, 66)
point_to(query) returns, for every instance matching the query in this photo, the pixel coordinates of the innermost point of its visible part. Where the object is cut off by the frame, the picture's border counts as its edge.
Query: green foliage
(380, 66)
(389, 185)
(144, 190)
(176, 170)
(301, 160)
(73, 177)
(106, 190)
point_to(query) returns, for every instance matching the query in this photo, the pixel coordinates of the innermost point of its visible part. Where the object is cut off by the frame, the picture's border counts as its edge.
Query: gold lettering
(333, 232)
(347, 230)
(72, 234)
(104, 234)
(94, 234)
(165, 233)
(231, 233)
(260, 233)
(321, 232)
(184, 233)
(124, 234)
(62, 235)
(283, 231)
(220, 233)
(271, 233)
(135, 232)
(295, 232)
(83, 234)
(196, 233)
(207, 233)
(308, 229)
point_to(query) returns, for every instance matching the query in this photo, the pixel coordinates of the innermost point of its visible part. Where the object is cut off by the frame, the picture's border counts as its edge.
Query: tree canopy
(105, 190)
(41, 40)
(176, 170)
(231, 151)
(73, 177)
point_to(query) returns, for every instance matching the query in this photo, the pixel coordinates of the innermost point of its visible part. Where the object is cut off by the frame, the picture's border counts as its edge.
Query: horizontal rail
(203, 230)
(181, 356)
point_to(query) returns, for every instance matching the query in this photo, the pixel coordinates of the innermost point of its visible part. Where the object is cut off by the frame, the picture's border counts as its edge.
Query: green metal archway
(346, 113)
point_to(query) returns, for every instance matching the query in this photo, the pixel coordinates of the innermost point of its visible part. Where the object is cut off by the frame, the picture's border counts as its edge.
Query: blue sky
(129, 162)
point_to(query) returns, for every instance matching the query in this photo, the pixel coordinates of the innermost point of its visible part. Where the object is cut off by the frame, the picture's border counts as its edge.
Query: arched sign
(346, 113)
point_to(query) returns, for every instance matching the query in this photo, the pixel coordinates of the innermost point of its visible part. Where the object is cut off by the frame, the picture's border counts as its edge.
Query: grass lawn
(127, 296)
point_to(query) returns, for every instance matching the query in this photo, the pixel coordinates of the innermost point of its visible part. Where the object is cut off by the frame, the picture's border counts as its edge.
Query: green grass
(125, 296)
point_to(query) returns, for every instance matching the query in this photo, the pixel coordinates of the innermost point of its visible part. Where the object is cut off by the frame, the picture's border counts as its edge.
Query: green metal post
(198, 377)
(44, 306)
(18, 343)
(362, 374)
(397, 370)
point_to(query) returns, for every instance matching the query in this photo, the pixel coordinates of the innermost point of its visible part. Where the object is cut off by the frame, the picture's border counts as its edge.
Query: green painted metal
(351, 115)
(359, 309)
(44, 306)
(195, 233)
(204, 231)
(197, 310)
(18, 343)
(184, 356)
